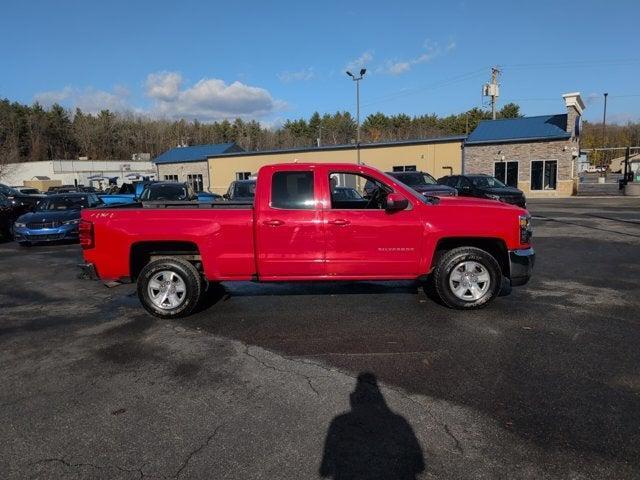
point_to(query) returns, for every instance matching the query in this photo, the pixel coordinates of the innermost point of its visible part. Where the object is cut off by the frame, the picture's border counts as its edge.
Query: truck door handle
(339, 222)
(273, 223)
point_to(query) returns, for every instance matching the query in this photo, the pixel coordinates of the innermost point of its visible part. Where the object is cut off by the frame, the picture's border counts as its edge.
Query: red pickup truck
(310, 222)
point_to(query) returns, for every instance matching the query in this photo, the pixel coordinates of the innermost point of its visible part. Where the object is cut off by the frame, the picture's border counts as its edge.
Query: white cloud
(431, 50)
(360, 62)
(89, 100)
(163, 85)
(297, 76)
(208, 99)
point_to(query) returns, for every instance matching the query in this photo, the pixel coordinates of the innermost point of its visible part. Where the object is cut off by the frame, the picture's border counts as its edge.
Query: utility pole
(604, 128)
(492, 89)
(357, 80)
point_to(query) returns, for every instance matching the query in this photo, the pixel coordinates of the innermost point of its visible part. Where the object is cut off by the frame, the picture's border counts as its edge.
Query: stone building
(189, 164)
(536, 154)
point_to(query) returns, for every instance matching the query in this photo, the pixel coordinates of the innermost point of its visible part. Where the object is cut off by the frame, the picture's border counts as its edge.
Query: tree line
(32, 133)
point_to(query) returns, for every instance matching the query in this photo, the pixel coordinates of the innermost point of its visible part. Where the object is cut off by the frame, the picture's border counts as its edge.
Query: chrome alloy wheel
(167, 290)
(469, 281)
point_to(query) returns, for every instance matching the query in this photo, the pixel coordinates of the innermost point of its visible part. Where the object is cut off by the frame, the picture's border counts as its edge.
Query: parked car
(20, 201)
(294, 232)
(55, 218)
(8, 215)
(485, 186)
(241, 191)
(168, 191)
(28, 190)
(424, 183)
(62, 189)
(207, 197)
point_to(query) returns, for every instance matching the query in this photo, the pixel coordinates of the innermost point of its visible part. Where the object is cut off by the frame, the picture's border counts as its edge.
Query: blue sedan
(54, 218)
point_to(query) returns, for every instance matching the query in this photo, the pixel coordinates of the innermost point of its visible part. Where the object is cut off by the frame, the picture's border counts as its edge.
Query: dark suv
(20, 201)
(8, 214)
(424, 183)
(484, 186)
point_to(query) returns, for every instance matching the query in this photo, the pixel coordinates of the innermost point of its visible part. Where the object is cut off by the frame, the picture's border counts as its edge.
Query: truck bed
(220, 232)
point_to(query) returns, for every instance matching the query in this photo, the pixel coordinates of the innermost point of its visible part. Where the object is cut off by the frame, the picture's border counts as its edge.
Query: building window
(171, 178)
(243, 175)
(544, 174)
(195, 181)
(292, 190)
(404, 168)
(507, 173)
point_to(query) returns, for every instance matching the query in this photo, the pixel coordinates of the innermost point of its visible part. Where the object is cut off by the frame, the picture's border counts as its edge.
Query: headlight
(526, 230)
(493, 197)
(71, 222)
(20, 225)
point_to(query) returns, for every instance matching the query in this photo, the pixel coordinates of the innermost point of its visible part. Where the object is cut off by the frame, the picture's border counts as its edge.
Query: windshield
(8, 191)
(62, 203)
(165, 192)
(414, 179)
(486, 182)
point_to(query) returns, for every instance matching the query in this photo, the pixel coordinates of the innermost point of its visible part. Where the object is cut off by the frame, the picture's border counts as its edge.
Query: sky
(277, 60)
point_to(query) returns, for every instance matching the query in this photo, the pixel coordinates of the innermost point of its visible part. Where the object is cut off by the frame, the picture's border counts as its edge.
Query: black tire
(450, 261)
(186, 272)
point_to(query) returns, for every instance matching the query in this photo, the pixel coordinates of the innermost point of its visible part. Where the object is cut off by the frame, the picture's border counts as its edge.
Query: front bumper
(64, 232)
(521, 265)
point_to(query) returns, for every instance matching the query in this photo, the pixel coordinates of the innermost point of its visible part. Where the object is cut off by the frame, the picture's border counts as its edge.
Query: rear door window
(292, 190)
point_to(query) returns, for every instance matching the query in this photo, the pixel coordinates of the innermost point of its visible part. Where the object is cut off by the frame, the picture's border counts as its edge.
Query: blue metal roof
(196, 153)
(544, 127)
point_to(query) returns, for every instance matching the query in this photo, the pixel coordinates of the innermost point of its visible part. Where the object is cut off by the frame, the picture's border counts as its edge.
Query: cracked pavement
(270, 382)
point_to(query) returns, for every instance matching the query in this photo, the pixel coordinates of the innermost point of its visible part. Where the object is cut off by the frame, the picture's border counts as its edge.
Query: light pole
(604, 129)
(357, 80)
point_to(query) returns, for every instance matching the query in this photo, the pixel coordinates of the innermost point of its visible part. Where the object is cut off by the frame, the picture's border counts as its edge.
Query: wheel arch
(141, 253)
(496, 247)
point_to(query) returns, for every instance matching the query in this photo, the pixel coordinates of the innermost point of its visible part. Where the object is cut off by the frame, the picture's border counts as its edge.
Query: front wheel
(467, 278)
(169, 287)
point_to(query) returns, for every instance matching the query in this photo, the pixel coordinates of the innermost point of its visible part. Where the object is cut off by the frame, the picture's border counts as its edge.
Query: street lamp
(357, 80)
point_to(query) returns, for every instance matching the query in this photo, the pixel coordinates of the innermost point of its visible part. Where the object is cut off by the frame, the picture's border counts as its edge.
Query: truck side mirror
(395, 202)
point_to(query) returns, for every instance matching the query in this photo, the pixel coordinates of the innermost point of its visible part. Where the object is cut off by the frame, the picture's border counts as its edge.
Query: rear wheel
(467, 278)
(169, 287)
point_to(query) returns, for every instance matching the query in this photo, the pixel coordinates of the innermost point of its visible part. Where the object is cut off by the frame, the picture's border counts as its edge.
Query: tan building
(538, 154)
(437, 156)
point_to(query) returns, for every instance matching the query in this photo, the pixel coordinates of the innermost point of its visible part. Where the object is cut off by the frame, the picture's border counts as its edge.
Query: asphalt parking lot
(345, 380)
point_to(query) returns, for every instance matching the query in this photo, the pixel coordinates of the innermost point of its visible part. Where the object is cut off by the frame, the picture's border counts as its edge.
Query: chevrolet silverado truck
(296, 229)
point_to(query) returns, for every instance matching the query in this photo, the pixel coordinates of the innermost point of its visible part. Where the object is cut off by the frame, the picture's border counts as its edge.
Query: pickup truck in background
(298, 230)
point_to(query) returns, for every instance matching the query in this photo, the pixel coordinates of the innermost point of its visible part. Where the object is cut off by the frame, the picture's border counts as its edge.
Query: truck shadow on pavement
(370, 441)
